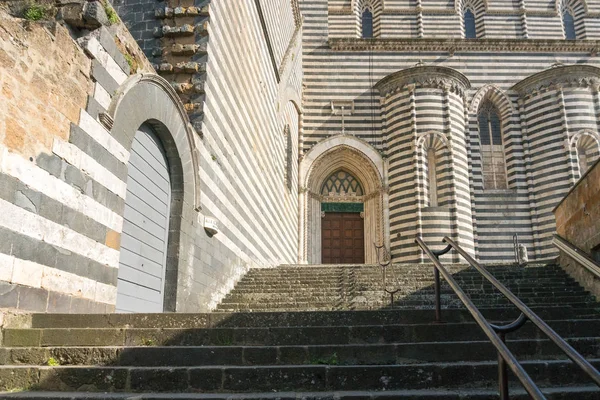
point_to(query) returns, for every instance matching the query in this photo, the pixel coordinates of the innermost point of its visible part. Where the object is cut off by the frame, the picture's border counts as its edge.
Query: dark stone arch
(149, 99)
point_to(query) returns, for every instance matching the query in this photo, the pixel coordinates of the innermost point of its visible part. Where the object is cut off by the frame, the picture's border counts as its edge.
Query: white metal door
(141, 277)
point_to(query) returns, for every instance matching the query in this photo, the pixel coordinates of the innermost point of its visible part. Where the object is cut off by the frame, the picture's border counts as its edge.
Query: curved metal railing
(496, 334)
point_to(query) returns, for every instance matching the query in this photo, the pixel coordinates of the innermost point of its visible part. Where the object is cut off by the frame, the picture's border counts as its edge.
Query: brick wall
(578, 214)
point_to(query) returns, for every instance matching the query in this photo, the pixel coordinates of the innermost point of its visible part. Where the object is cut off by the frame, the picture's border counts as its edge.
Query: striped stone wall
(340, 67)
(62, 175)
(249, 104)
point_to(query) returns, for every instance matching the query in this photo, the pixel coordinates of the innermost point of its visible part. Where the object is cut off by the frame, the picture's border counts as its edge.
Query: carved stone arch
(376, 7)
(496, 96)
(150, 99)
(289, 94)
(578, 10)
(589, 142)
(362, 161)
(561, 5)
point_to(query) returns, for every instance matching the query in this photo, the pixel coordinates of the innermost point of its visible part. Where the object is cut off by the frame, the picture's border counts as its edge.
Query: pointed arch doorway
(342, 175)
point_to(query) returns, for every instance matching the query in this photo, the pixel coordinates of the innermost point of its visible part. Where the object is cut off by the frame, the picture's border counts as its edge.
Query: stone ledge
(466, 45)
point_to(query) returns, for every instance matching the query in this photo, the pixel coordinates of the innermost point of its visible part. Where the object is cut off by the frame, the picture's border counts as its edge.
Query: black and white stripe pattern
(538, 165)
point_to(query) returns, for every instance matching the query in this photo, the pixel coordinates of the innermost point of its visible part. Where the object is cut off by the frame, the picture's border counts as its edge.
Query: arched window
(341, 183)
(492, 148)
(569, 25)
(367, 23)
(432, 181)
(469, 20)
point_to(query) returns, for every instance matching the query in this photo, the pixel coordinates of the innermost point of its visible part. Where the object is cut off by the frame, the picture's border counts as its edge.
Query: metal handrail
(496, 333)
(577, 254)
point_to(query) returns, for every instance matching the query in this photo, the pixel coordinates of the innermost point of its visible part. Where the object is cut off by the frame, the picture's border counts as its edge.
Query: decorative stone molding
(461, 45)
(189, 143)
(340, 11)
(297, 14)
(424, 77)
(586, 76)
(417, 10)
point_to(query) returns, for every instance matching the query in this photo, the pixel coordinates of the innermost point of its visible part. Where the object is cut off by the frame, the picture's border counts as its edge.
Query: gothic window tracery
(492, 148)
(341, 183)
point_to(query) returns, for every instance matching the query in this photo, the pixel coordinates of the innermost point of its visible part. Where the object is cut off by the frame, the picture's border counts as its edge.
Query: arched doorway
(342, 175)
(142, 263)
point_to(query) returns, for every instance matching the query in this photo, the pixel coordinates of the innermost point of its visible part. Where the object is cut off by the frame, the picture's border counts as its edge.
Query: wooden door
(342, 238)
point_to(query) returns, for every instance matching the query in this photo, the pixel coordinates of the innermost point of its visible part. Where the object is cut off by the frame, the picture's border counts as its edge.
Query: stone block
(83, 14)
(9, 295)
(50, 163)
(33, 299)
(58, 303)
(104, 78)
(18, 378)
(22, 337)
(159, 379)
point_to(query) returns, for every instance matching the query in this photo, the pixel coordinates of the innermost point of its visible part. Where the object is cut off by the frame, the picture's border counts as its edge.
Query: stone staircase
(323, 332)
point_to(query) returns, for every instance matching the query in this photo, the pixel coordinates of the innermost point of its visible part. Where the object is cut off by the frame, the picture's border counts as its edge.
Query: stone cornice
(569, 75)
(454, 45)
(424, 76)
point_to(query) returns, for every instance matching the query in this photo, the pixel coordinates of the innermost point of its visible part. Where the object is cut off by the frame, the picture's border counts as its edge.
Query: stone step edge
(435, 364)
(363, 326)
(391, 394)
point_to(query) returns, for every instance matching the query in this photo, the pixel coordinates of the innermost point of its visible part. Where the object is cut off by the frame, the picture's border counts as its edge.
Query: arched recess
(435, 181)
(358, 158)
(151, 100)
(584, 147)
(577, 9)
(376, 9)
(508, 126)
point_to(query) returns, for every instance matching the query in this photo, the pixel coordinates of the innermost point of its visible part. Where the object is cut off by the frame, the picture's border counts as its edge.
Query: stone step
(516, 393)
(281, 378)
(348, 354)
(527, 282)
(401, 304)
(425, 295)
(405, 278)
(340, 334)
(282, 318)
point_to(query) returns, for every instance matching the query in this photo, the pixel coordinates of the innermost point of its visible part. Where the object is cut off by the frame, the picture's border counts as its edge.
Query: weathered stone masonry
(64, 178)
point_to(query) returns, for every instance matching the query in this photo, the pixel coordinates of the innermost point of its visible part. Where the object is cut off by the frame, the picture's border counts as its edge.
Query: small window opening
(470, 31)
(432, 177)
(569, 26)
(367, 24)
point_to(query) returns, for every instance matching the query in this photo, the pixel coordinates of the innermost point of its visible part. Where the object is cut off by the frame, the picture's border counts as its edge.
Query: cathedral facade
(468, 119)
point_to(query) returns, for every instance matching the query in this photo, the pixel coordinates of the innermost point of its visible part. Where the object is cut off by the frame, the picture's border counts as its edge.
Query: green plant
(35, 12)
(52, 362)
(148, 342)
(131, 62)
(113, 18)
(331, 360)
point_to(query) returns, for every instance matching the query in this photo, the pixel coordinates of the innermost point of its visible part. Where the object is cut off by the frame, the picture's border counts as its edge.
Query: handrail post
(502, 372)
(438, 296)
